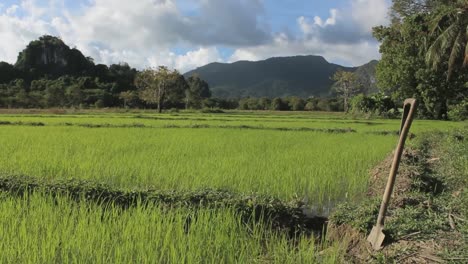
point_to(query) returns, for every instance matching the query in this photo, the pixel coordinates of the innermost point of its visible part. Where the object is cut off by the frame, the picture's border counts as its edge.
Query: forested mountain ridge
(48, 73)
(50, 55)
(302, 76)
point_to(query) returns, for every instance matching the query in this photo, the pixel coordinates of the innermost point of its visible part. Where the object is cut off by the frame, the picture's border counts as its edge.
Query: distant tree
(128, 97)
(156, 85)
(296, 103)
(7, 72)
(252, 104)
(346, 85)
(197, 90)
(277, 104)
(54, 94)
(123, 76)
(210, 103)
(310, 106)
(74, 95)
(264, 103)
(244, 103)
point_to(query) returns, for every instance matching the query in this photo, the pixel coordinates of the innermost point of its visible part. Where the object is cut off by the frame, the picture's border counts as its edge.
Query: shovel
(376, 236)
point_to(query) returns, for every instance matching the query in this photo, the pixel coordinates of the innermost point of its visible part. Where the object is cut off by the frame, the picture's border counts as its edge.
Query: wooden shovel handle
(409, 110)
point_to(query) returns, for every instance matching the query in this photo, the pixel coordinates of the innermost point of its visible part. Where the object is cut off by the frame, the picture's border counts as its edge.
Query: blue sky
(185, 34)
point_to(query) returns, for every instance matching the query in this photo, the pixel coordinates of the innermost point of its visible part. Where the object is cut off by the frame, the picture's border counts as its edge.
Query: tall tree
(346, 85)
(450, 26)
(156, 85)
(197, 91)
(416, 50)
(128, 97)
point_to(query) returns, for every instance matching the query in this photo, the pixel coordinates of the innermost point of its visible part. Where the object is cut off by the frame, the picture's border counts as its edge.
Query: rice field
(39, 229)
(319, 159)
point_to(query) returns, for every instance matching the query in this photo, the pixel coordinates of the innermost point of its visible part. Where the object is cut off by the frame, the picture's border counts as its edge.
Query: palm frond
(465, 61)
(440, 46)
(456, 53)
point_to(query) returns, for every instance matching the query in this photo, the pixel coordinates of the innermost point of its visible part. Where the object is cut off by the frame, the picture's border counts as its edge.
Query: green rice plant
(318, 167)
(41, 229)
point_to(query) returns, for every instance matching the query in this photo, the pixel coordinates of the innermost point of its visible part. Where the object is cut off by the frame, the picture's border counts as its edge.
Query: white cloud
(11, 10)
(16, 33)
(330, 21)
(185, 62)
(197, 58)
(143, 32)
(370, 13)
(344, 37)
(346, 54)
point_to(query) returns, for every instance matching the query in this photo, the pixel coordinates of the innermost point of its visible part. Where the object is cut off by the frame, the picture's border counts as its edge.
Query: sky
(185, 34)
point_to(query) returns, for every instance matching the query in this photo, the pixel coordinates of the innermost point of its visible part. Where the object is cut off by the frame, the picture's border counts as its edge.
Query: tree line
(425, 56)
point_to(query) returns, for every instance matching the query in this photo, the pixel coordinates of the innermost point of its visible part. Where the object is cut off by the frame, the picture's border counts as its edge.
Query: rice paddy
(318, 159)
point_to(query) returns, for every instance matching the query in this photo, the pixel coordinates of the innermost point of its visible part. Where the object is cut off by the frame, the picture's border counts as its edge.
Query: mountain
(366, 75)
(275, 77)
(50, 55)
(50, 58)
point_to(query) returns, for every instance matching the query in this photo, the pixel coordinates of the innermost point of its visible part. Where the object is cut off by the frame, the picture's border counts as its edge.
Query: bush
(459, 112)
(99, 103)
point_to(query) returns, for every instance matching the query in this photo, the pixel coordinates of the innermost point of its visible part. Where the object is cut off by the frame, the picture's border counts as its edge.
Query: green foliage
(161, 85)
(459, 112)
(418, 36)
(49, 69)
(278, 104)
(346, 85)
(296, 103)
(197, 90)
(377, 104)
(129, 97)
(450, 27)
(8, 73)
(50, 56)
(360, 216)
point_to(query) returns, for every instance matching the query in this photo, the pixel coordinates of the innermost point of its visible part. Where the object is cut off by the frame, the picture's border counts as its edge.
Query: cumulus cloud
(144, 32)
(122, 24)
(16, 32)
(345, 36)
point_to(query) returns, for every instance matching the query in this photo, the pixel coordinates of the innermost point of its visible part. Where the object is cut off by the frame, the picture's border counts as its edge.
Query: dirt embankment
(427, 218)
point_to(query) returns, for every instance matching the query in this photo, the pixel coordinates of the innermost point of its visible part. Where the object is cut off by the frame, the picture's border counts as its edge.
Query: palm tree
(451, 28)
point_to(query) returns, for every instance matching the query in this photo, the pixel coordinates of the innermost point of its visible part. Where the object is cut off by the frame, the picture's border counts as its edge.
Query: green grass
(40, 229)
(284, 164)
(233, 119)
(320, 167)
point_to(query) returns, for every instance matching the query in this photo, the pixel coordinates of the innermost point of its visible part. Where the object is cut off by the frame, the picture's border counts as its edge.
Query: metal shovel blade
(376, 237)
